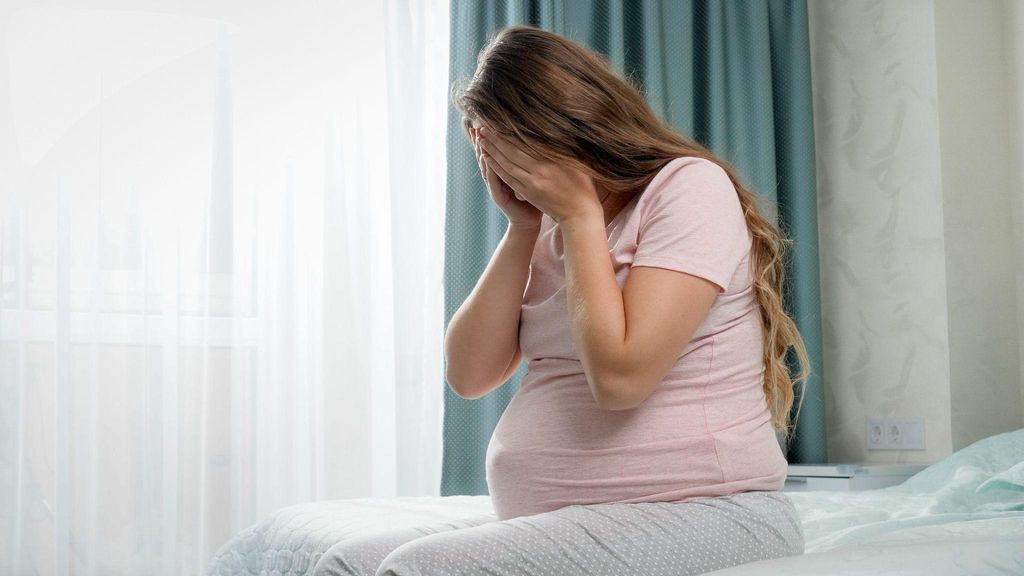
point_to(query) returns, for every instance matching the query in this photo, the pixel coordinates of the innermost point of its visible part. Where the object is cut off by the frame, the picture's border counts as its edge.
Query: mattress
(961, 515)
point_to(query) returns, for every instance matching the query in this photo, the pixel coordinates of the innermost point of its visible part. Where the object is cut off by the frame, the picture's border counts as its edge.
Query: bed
(961, 515)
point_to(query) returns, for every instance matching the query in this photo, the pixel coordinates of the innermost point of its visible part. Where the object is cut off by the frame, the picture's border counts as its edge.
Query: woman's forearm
(483, 334)
(596, 310)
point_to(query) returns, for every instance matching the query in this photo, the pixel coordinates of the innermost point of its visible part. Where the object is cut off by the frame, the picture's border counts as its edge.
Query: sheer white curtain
(221, 254)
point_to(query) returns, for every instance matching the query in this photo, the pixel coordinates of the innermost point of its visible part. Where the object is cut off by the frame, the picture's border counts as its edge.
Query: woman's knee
(442, 554)
(409, 559)
(349, 557)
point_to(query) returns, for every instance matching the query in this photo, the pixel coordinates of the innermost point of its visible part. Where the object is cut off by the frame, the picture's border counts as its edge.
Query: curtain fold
(221, 271)
(733, 75)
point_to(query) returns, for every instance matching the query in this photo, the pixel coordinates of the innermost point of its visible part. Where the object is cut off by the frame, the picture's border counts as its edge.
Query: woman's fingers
(479, 158)
(496, 165)
(500, 158)
(490, 169)
(512, 157)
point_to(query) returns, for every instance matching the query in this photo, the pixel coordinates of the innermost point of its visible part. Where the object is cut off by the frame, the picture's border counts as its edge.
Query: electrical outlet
(874, 434)
(894, 433)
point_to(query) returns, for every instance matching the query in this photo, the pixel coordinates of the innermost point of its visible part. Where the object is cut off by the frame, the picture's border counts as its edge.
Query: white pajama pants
(613, 539)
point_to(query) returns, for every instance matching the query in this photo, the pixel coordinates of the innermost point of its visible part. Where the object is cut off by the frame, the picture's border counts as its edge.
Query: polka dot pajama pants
(613, 539)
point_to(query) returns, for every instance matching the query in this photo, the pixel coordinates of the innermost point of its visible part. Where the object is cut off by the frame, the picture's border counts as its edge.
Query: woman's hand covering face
(558, 190)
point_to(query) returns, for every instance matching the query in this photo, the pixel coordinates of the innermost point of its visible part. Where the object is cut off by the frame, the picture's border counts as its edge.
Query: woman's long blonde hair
(563, 102)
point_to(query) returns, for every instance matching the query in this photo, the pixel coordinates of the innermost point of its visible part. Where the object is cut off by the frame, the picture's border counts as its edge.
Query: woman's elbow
(462, 385)
(620, 392)
(611, 396)
(455, 381)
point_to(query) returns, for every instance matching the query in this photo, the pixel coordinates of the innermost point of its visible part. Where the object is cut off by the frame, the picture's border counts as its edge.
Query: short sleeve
(691, 221)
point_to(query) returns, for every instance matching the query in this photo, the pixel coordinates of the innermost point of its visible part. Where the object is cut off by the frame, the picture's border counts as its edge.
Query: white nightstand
(803, 477)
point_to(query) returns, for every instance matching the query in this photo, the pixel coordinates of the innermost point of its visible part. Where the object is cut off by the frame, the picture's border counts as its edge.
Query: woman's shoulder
(693, 177)
(685, 169)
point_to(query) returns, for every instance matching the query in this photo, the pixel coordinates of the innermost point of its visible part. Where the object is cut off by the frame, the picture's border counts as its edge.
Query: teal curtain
(734, 75)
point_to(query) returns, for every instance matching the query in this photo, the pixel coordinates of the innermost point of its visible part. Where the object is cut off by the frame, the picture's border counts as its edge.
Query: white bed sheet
(977, 547)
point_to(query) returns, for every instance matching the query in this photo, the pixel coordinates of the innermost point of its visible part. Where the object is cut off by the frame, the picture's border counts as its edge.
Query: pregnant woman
(643, 287)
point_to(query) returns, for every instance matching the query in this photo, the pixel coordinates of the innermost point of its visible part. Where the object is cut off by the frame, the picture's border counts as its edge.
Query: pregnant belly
(554, 447)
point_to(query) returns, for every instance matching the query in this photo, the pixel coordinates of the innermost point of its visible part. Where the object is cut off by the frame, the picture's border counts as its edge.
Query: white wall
(920, 250)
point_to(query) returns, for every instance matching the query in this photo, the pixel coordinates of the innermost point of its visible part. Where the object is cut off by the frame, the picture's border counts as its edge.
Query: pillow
(1012, 479)
(954, 484)
(972, 465)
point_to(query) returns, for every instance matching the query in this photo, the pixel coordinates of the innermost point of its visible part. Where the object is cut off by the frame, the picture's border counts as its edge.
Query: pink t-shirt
(704, 431)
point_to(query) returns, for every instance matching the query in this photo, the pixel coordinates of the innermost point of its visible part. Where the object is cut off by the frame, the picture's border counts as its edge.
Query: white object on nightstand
(840, 477)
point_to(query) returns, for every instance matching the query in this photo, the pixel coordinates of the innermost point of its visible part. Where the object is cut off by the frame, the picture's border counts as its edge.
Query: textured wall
(880, 219)
(916, 197)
